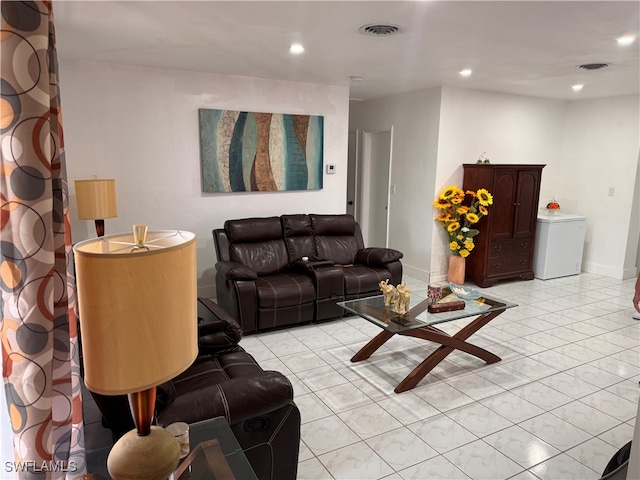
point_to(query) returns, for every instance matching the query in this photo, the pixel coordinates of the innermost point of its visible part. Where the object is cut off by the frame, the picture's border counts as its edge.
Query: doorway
(371, 153)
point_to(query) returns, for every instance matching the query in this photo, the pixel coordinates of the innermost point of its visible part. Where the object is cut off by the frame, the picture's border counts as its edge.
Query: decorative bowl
(466, 293)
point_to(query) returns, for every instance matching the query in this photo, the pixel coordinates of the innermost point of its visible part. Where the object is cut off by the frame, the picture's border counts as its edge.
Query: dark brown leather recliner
(226, 381)
(262, 281)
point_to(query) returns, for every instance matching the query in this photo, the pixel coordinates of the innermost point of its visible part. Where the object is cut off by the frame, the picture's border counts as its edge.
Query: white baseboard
(417, 273)
(604, 270)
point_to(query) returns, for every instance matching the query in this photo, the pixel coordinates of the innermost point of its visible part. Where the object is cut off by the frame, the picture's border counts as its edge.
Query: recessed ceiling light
(296, 48)
(466, 72)
(577, 88)
(626, 40)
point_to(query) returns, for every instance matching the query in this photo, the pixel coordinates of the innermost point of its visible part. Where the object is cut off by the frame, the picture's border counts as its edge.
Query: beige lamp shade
(96, 199)
(137, 309)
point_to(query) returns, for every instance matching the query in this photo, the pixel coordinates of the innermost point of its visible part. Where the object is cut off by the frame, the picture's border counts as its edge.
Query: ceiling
(518, 47)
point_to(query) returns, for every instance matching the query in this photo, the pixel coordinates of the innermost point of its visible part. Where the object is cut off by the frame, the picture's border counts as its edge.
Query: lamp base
(151, 457)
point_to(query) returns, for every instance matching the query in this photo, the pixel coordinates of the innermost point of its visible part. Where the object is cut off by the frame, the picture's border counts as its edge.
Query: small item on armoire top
(553, 205)
(483, 159)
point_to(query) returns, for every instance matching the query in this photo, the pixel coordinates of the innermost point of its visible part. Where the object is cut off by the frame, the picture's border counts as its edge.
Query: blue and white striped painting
(260, 152)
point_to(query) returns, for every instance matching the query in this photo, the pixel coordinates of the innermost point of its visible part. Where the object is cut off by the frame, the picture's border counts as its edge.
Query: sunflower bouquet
(459, 219)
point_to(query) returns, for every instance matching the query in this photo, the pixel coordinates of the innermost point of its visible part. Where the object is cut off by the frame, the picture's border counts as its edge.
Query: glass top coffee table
(418, 322)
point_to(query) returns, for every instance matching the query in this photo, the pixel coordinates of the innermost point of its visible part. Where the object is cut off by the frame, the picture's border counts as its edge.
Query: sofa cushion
(335, 237)
(340, 249)
(284, 290)
(247, 230)
(264, 258)
(333, 224)
(258, 244)
(361, 279)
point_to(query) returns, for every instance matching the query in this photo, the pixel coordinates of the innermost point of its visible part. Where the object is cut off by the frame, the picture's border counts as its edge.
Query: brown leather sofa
(263, 281)
(226, 381)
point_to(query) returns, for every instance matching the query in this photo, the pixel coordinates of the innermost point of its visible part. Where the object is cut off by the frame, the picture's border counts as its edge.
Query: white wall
(414, 117)
(140, 126)
(509, 128)
(586, 146)
(601, 144)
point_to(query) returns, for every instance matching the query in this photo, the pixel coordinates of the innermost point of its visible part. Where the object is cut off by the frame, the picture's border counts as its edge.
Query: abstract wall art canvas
(260, 152)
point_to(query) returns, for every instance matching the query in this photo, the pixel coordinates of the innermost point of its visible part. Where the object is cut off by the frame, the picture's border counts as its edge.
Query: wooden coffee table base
(448, 344)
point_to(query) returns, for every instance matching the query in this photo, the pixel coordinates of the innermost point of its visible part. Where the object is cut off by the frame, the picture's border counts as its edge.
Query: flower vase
(456, 269)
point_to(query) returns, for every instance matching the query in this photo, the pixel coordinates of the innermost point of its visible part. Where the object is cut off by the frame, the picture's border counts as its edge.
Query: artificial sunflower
(484, 197)
(459, 218)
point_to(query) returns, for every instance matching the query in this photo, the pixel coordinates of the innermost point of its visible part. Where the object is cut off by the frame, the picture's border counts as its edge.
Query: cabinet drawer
(515, 263)
(500, 248)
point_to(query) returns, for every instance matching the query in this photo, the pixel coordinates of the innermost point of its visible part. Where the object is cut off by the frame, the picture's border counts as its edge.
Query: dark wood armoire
(504, 246)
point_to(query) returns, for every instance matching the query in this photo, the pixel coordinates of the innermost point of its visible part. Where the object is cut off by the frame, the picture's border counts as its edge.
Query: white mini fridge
(559, 244)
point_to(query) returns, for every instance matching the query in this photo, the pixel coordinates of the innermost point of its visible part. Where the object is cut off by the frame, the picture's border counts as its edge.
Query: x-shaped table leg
(448, 344)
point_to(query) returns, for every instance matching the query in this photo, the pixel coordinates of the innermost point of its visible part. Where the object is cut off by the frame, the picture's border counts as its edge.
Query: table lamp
(96, 200)
(137, 306)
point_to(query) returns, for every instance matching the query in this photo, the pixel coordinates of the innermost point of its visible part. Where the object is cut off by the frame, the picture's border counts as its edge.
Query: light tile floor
(559, 404)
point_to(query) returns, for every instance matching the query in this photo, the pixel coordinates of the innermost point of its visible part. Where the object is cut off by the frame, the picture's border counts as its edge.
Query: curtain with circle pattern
(39, 324)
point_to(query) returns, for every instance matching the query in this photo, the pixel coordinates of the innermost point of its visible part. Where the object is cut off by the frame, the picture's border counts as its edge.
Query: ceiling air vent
(594, 66)
(380, 30)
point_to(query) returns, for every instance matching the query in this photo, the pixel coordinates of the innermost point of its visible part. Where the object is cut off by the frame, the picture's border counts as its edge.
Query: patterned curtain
(39, 325)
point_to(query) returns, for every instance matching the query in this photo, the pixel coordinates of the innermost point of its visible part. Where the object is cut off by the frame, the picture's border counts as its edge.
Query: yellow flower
(458, 212)
(484, 197)
(448, 192)
(441, 204)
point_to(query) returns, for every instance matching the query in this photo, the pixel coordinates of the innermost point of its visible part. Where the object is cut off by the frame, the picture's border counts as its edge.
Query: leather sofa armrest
(378, 256)
(217, 330)
(236, 271)
(237, 399)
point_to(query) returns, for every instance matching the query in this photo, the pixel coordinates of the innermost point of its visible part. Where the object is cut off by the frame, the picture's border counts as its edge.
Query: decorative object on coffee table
(404, 299)
(449, 306)
(96, 200)
(459, 221)
(434, 292)
(464, 292)
(389, 291)
(137, 299)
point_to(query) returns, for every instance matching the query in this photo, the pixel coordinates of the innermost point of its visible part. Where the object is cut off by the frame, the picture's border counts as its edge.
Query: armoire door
(526, 203)
(504, 204)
